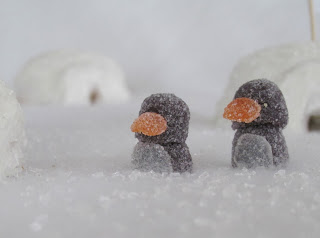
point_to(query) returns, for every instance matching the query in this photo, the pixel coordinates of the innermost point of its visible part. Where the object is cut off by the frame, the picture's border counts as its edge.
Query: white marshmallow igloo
(295, 68)
(12, 134)
(71, 77)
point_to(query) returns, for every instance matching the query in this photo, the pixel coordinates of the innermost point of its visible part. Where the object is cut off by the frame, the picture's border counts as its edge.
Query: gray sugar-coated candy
(252, 151)
(177, 115)
(273, 118)
(174, 110)
(150, 156)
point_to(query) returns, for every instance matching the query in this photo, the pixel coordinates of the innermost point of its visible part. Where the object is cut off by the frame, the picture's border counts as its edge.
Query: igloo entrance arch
(95, 96)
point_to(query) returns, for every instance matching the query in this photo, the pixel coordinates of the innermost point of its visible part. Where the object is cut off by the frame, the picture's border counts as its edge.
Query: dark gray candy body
(273, 135)
(180, 157)
(273, 105)
(175, 111)
(177, 114)
(273, 117)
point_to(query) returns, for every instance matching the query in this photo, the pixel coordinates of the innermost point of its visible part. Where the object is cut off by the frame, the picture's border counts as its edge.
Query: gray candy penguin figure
(162, 129)
(259, 113)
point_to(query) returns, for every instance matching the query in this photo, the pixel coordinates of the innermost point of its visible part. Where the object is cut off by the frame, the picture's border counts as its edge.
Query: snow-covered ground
(78, 182)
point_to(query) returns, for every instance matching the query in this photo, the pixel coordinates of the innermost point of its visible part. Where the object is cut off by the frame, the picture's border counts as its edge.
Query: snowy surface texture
(71, 77)
(78, 182)
(295, 68)
(12, 134)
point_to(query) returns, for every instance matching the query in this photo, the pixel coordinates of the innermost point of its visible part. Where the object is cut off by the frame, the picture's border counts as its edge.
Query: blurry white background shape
(71, 77)
(186, 47)
(12, 133)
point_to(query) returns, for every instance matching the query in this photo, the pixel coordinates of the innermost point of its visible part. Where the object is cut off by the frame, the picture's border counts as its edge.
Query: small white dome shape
(295, 68)
(12, 134)
(71, 77)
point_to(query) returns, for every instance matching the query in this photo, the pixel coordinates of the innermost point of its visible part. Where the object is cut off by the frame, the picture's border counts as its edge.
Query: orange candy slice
(150, 124)
(242, 110)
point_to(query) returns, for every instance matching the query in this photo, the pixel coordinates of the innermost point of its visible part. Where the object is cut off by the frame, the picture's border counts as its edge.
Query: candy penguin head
(258, 102)
(167, 118)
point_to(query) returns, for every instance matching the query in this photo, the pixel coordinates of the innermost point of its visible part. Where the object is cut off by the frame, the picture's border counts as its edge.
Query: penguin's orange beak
(242, 110)
(149, 124)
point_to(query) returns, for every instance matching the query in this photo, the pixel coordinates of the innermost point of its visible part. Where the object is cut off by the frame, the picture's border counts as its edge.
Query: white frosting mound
(71, 78)
(12, 135)
(295, 68)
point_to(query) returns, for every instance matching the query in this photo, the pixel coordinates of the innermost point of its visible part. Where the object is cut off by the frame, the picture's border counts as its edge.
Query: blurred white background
(160, 44)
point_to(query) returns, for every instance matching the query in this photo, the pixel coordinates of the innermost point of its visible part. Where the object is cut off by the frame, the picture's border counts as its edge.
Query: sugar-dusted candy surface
(273, 118)
(180, 157)
(150, 124)
(176, 113)
(174, 110)
(242, 110)
(252, 151)
(151, 157)
(273, 105)
(273, 135)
